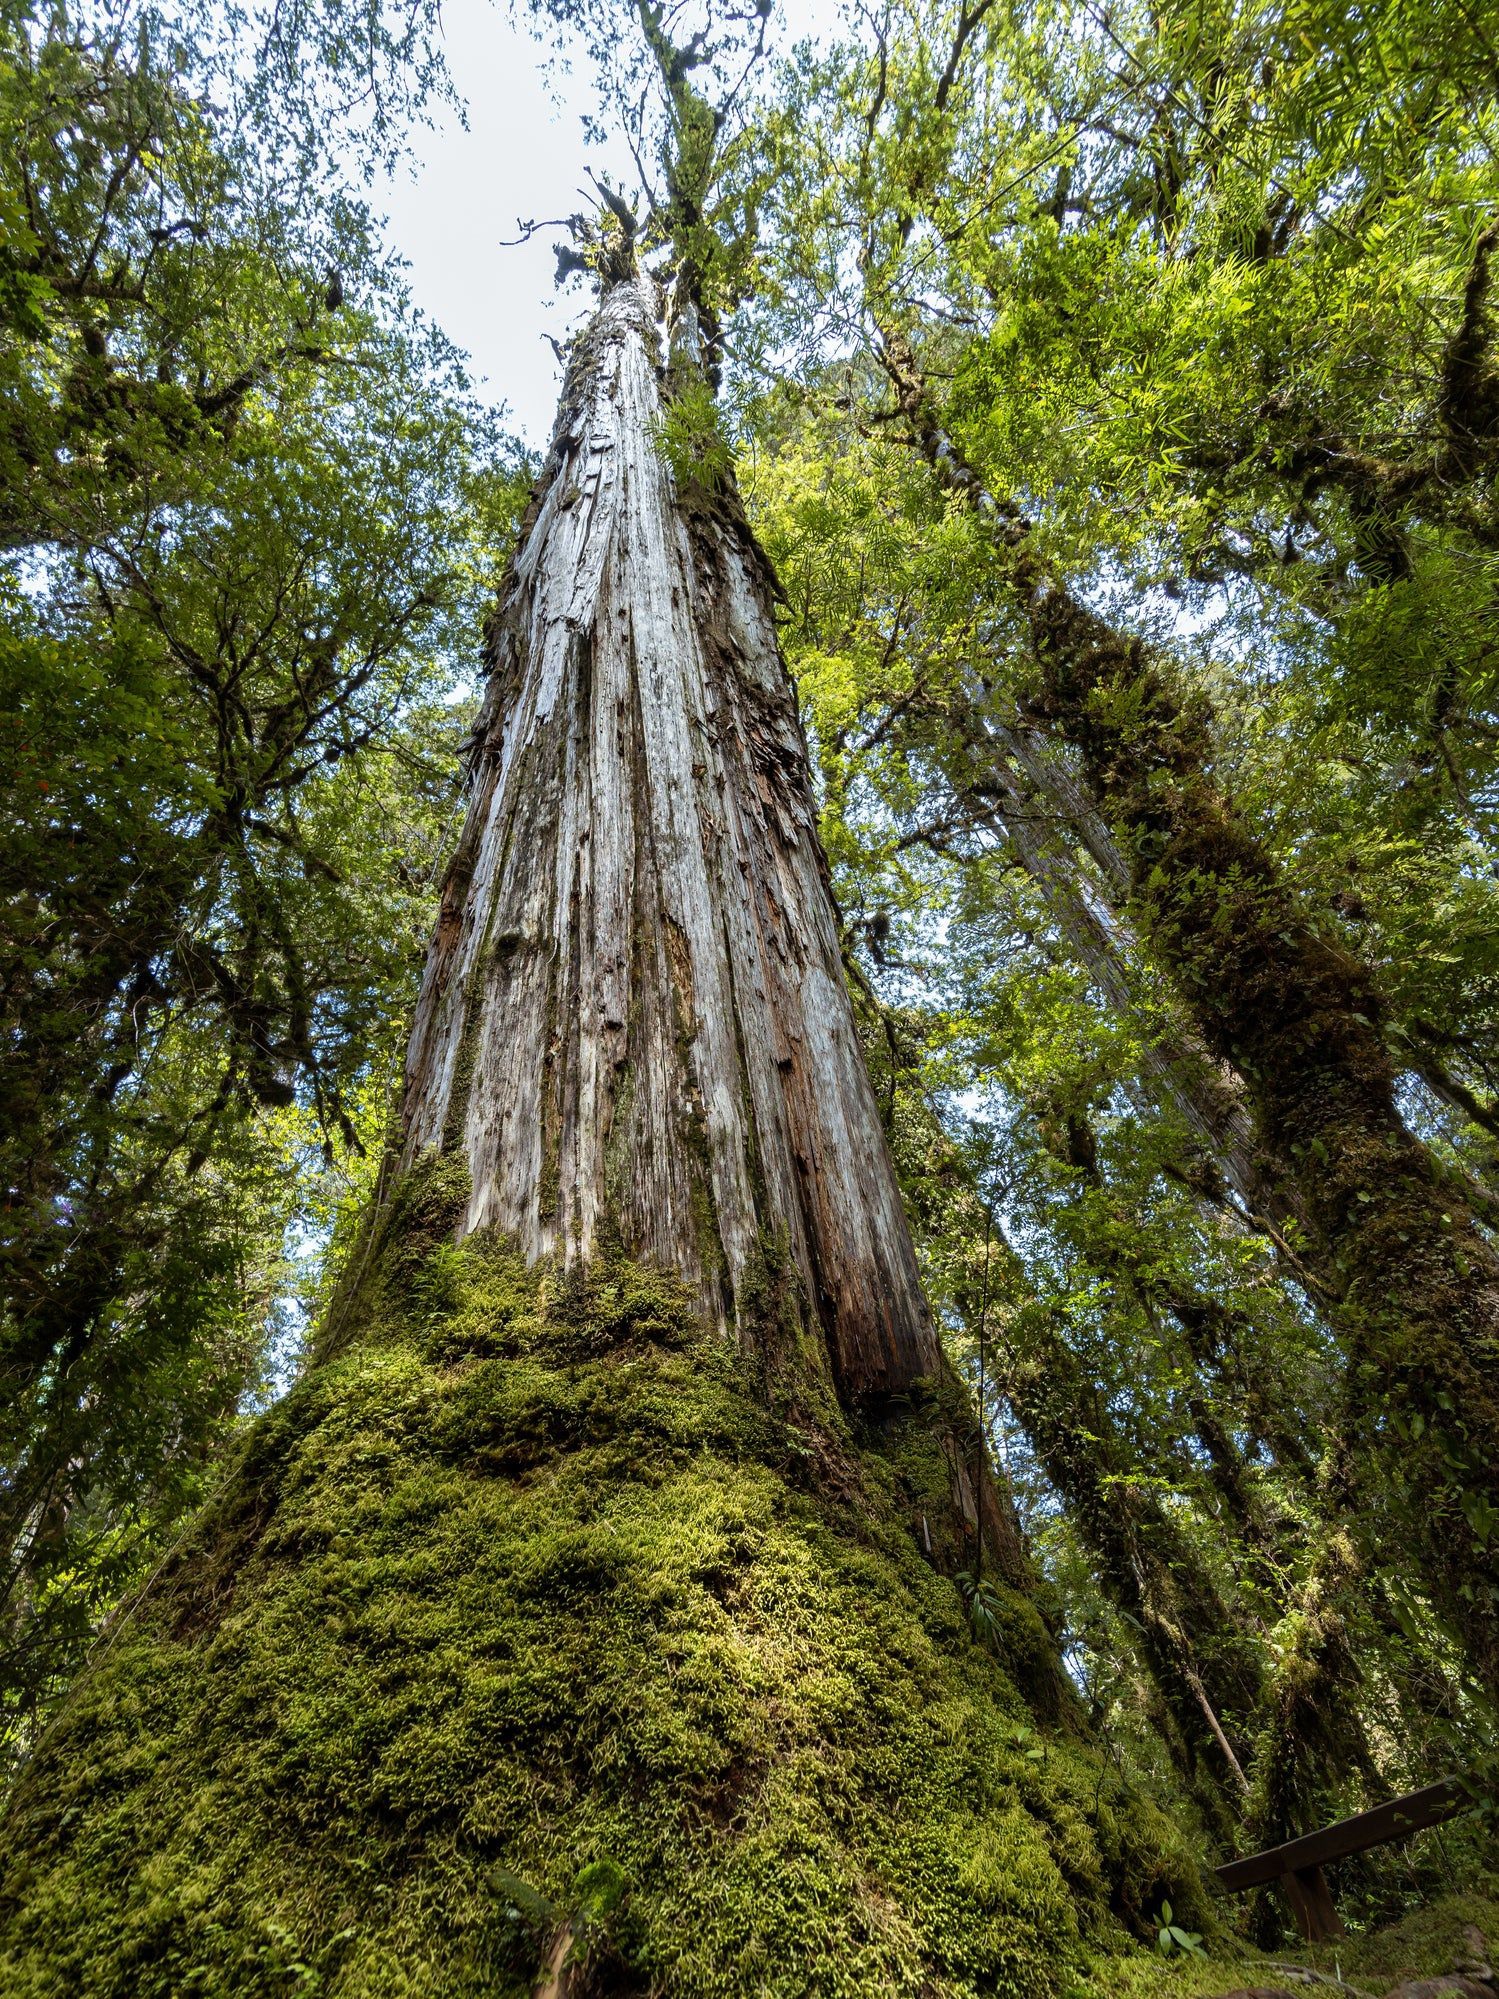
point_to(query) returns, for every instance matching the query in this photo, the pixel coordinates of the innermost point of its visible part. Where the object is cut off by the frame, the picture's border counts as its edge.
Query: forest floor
(1433, 1949)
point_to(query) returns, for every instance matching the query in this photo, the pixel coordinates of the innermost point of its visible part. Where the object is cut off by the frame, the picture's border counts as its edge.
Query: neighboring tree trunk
(1032, 799)
(1201, 1656)
(1300, 1022)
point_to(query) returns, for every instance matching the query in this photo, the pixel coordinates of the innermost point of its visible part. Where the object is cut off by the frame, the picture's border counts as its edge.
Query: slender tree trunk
(1202, 1658)
(1034, 799)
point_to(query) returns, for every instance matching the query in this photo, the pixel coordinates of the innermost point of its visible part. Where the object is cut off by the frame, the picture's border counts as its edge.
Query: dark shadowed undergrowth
(534, 1610)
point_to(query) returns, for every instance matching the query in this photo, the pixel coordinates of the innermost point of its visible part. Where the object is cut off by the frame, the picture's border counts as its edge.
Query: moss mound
(534, 1612)
(1428, 1942)
(1432, 1942)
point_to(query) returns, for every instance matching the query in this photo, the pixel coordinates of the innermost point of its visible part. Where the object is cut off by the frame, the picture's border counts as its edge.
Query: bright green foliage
(531, 1604)
(1172, 1939)
(1008, 1076)
(1204, 294)
(1211, 297)
(690, 439)
(252, 518)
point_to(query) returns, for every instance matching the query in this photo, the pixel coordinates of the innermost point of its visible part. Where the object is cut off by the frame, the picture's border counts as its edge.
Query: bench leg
(1312, 1904)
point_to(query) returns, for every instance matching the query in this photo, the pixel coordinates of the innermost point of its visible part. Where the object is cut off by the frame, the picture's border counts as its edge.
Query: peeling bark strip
(633, 1018)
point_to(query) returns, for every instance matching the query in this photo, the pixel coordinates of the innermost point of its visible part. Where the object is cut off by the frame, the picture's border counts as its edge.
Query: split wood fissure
(633, 1021)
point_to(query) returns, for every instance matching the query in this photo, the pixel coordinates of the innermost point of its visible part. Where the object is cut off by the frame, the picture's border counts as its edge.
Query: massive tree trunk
(578, 1624)
(634, 1019)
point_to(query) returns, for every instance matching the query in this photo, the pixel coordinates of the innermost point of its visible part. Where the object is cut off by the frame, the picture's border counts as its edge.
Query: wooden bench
(1297, 1864)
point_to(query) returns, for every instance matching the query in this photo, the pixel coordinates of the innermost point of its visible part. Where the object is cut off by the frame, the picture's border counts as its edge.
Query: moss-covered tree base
(535, 1612)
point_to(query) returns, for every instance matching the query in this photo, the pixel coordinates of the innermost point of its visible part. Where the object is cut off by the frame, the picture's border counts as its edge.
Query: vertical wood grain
(633, 1016)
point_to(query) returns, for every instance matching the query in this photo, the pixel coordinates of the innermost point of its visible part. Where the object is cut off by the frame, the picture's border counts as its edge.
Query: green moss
(1144, 1975)
(527, 1606)
(1426, 1944)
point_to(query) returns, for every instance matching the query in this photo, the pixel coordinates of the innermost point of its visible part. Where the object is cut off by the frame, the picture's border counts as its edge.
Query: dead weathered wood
(633, 1023)
(1397, 1818)
(1312, 1905)
(1297, 1864)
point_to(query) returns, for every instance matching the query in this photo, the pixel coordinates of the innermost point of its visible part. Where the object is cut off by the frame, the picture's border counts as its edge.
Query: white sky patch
(523, 155)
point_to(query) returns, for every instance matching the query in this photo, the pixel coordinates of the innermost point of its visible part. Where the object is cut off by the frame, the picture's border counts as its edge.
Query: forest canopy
(1115, 393)
(250, 515)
